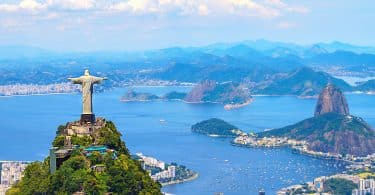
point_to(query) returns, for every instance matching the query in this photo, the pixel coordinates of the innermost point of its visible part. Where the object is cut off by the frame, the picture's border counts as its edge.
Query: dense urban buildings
(11, 173)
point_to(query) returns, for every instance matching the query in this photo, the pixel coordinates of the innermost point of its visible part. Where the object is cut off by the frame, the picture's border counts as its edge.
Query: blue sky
(83, 25)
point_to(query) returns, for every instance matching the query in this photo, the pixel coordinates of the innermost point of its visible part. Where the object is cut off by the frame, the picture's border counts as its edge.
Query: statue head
(87, 73)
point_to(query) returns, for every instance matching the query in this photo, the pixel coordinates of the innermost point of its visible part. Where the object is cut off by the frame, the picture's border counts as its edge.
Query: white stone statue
(87, 81)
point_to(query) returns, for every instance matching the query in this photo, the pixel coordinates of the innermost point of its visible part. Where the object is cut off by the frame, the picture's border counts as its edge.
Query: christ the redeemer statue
(87, 81)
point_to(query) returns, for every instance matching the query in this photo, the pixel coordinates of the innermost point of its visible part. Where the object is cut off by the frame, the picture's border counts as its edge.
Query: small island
(215, 127)
(231, 95)
(227, 93)
(132, 96)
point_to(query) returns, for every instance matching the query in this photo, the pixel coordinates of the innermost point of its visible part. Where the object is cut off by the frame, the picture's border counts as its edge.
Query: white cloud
(198, 7)
(8, 7)
(252, 8)
(35, 6)
(135, 6)
(71, 4)
(31, 5)
(289, 8)
(181, 7)
(28, 5)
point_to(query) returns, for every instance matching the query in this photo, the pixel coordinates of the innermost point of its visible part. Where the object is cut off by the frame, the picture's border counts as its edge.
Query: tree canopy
(120, 174)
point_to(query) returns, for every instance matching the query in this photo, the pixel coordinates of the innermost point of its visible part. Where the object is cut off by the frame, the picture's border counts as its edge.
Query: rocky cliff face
(331, 132)
(225, 93)
(197, 93)
(332, 129)
(331, 99)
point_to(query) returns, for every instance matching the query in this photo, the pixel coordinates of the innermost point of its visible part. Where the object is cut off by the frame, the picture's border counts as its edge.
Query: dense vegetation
(215, 126)
(302, 82)
(121, 175)
(136, 96)
(174, 95)
(338, 186)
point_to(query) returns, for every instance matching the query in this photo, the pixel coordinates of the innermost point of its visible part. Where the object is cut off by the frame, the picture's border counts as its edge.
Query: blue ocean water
(28, 125)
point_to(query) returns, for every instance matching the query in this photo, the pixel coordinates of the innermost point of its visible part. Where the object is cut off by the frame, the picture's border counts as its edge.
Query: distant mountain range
(302, 82)
(267, 67)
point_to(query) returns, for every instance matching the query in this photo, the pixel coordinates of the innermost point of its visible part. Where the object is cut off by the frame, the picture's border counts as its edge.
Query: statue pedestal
(87, 118)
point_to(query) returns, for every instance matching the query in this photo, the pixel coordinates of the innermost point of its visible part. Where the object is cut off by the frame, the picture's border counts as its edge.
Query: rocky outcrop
(197, 93)
(331, 99)
(332, 129)
(224, 93)
(78, 129)
(331, 132)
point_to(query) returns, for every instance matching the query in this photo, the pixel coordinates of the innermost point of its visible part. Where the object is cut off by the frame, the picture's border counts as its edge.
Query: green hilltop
(215, 126)
(88, 171)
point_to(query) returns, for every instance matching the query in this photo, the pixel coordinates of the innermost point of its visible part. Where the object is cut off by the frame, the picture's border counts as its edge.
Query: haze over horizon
(91, 25)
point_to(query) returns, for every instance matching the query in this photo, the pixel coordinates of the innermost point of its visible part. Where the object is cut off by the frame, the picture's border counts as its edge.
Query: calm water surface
(28, 125)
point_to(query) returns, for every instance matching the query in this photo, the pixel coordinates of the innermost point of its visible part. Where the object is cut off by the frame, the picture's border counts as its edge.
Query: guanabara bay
(187, 97)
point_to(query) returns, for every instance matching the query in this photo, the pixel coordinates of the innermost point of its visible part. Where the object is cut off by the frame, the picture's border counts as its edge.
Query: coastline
(194, 176)
(37, 94)
(236, 106)
(228, 105)
(295, 151)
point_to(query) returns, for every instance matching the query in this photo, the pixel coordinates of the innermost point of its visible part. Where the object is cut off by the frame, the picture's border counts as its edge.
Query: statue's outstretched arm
(99, 79)
(75, 80)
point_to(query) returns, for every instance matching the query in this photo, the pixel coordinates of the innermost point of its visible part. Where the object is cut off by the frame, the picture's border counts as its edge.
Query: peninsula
(332, 132)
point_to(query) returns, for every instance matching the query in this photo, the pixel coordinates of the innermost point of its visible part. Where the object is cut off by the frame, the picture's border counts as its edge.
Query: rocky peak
(331, 99)
(197, 93)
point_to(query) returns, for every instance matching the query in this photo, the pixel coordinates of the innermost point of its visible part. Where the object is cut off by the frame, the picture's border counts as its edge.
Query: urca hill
(332, 129)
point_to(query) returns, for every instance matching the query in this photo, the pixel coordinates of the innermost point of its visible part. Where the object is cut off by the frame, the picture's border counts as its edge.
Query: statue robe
(87, 83)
